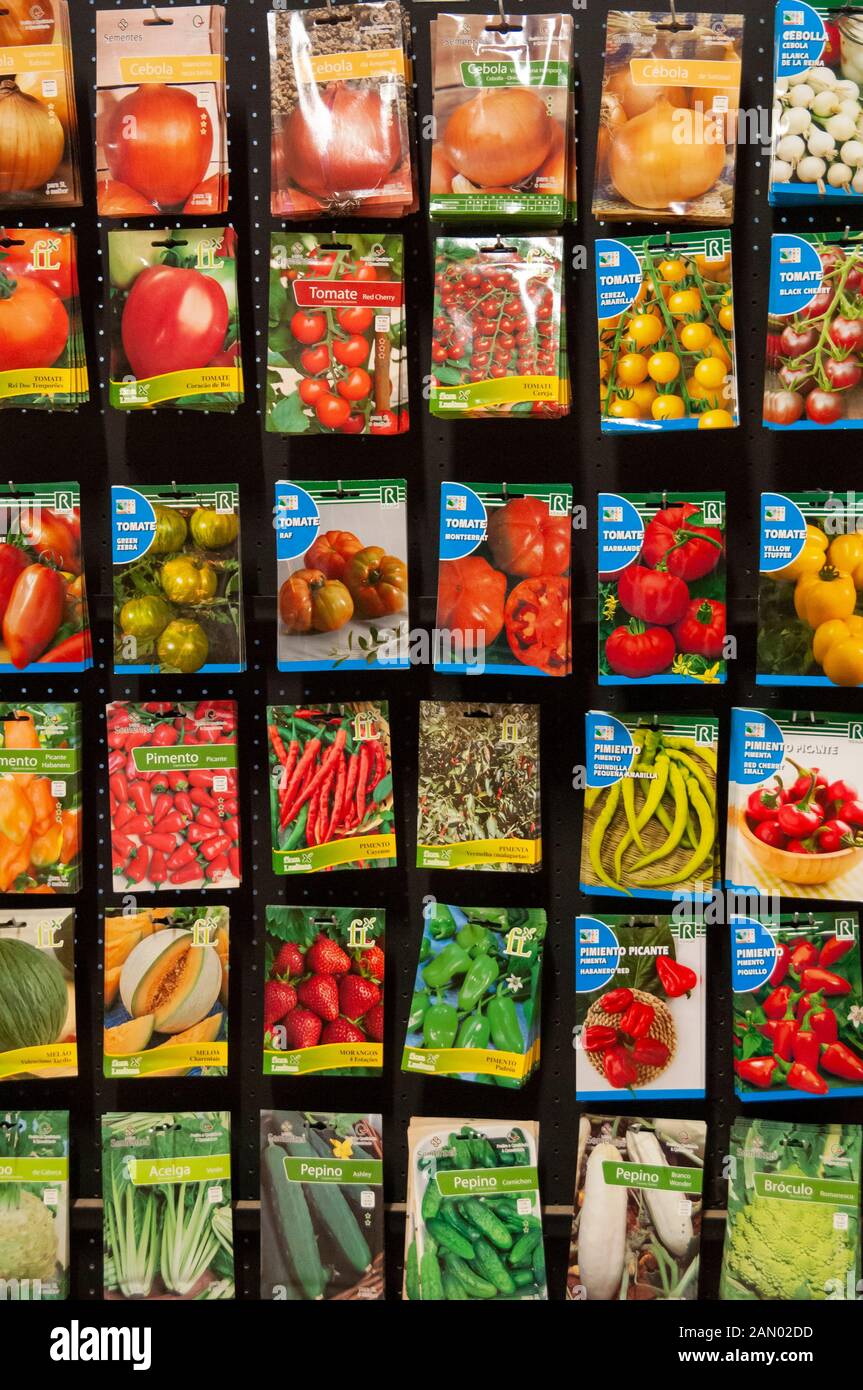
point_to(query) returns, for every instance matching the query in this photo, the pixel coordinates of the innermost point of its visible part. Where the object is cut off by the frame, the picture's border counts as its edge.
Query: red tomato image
(537, 623)
(34, 325)
(524, 538)
(174, 320)
(470, 597)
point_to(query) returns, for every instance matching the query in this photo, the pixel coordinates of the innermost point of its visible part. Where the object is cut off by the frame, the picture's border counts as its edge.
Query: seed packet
(474, 1220)
(503, 601)
(811, 563)
(337, 352)
(44, 620)
(341, 571)
(37, 994)
(40, 798)
(814, 332)
(342, 115)
(666, 326)
(324, 991)
(649, 827)
(476, 1006)
(34, 1217)
(39, 157)
(167, 1226)
(668, 119)
(42, 360)
(640, 1003)
(499, 331)
(322, 1206)
(172, 780)
(795, 820)
(662, 588)
(161, 119)
(174, 326)
(331, 787)
(478, 793)
(178, 599)
(166, 992)
(798, 1006)
(636, 1229)
(817, 77)
(503, 118)
(793, 1228)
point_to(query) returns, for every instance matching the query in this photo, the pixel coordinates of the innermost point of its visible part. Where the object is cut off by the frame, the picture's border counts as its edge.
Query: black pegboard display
(100, 447)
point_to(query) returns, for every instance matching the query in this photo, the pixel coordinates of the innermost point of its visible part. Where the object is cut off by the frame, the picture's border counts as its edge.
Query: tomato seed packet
(337, 359)
(478, 792)
(331, 787)
(811, 571)
(166, 992)
(39, 160)
(341, 571)
(34, 1153)
(666, 333)
(458, 1172)
(322, 1184)
(649, 828)
(37, 995)
(174, 320)
(667, 148)
(503, 601)
(342, 112)
(178, 601)
(662, 588)
(795, 821)
(798, 1006)
(324, 991)
(640, 1008)
(43, 599)
(817, 76)
(42, 359)
(814, 333)
(503, 119)
(475, 1012)
(40, 798)
(172, 779)
(499, 331)
(161, 118)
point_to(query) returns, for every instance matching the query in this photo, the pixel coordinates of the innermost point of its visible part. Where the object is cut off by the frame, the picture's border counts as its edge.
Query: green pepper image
(474, 1032)
(440, 1025)
(483, 973)
(419, 1004)
(448, 963)
(505, 1028)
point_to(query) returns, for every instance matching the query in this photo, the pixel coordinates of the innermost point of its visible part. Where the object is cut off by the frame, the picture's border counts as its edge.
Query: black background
(99, 447)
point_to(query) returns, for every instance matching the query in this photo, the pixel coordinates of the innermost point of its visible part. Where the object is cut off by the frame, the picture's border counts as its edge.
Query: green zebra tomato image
(144, 617)
(213, 530)
(185, 582)
(183, 645)
(171, 531)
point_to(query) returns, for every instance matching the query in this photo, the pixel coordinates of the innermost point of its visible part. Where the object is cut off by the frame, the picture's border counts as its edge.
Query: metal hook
(12, 487)
(500, 11)
(339, 492)
(673, 12)
(503, 491)
(667, 232)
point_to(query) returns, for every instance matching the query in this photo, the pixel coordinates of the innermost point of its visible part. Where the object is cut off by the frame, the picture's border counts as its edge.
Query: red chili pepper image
(638, 1020)
(676, 979)
(597, 1038)
(620, 1070)
(840, 1060)
(617, 1001)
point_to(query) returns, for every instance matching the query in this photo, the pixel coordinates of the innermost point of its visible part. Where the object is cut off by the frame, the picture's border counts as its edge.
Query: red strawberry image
(279, 999)
(289, 961)
(371, 963)
(321, 995)
(341, 1031)
(302, 1029)
(374, 1023)
(326, 957)
(357, 996)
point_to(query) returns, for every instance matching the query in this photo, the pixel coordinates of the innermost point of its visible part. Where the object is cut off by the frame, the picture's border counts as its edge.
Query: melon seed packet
(662, 588)
(43, 365)
(40, 798)
(337, 350)
(479, 802)
(37, 994)
(503, 600)
(43, 597)
(475, 1013)
(324, 991)
(322, 1206)
(34, 1159)
(341, 561)
(178, 601)
(474, 1218)
(331, 787)
(166, 992)
(174, 320)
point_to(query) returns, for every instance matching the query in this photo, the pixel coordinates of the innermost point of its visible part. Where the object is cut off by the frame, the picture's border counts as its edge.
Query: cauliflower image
(28, 1243)
(787, 1250)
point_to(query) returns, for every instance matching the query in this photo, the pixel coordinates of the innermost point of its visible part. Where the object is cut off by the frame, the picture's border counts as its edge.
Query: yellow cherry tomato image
(726, 317)
(719, 269)
(644, 330)
(644, 395)
(631, 368)
(684, 303)
(624, 409)
(697, 392)
(695, 336)
(716, 348)
(843, 664)
(715, 420)
(672, 270)
(710, 372)
(668, 407)
(663, 367)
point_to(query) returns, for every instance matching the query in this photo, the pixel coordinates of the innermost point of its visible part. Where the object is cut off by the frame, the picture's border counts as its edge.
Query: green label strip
(448, 1061)
(652, 1177)
(329, 1057)
(347, 851)
(51, 1057)
(34, 1170)
(835, 1192)
(479, 1182)
(357, 1172)
(185, 758)
(161, 1059)
(57, 762)
(148, 1172)
(468, 852)
(503, 72)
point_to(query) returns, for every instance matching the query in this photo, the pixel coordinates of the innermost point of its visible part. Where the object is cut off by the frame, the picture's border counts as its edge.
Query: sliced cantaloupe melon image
(130, 1037)
(171, 977)
(205, 1031)
(112, 984)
